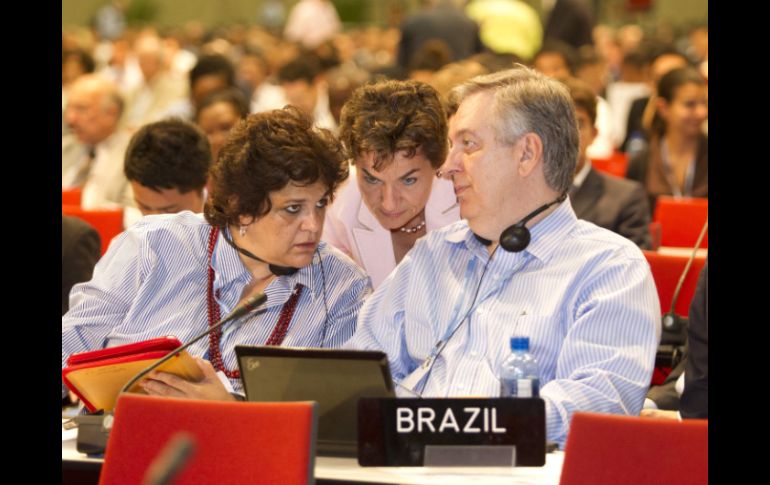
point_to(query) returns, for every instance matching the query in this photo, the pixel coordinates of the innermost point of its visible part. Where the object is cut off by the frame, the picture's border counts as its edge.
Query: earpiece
(274, 268)
(516, 238)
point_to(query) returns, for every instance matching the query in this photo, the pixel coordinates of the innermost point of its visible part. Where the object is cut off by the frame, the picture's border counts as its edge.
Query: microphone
(671, 321)
(171, 460)
(246, 307)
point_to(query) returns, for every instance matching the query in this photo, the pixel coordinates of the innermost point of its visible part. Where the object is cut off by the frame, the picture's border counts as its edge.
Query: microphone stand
(671, 321)
(247, 306)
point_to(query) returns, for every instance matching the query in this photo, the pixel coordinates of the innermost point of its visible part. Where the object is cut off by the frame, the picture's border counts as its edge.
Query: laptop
(334, 378)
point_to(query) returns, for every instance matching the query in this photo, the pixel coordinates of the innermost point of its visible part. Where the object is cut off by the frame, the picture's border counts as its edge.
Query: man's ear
(530, 153)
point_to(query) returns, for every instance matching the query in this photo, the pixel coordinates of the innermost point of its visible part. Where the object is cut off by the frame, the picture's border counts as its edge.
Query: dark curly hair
(391, 116)
(262, 154)
(168, 154)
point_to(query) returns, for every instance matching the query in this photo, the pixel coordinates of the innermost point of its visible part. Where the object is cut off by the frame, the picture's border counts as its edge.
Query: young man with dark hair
(166, 165)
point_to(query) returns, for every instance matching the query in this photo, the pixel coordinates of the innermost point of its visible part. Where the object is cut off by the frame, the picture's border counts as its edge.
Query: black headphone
(516, 238)
(287, 271)
(274, 268)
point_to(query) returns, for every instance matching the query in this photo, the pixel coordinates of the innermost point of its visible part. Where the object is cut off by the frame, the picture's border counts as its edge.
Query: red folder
(97, 377)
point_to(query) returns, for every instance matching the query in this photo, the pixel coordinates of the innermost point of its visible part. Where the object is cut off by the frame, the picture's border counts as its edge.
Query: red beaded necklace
(276, 336)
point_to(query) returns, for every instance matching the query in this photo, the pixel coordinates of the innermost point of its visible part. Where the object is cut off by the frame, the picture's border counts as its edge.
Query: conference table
(78, 468)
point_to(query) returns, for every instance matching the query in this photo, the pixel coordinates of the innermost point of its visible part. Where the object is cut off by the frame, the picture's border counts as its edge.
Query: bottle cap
(520, 343)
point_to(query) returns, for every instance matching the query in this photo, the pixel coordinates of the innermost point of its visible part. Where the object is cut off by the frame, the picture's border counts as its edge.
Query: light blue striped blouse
(584, 296)
(153, 282)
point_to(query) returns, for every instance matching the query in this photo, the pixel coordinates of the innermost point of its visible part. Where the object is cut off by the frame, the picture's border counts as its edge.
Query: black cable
(443, 343)
(326, 306)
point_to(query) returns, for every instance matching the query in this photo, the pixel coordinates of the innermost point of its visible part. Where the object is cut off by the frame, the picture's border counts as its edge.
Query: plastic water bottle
(519, 375)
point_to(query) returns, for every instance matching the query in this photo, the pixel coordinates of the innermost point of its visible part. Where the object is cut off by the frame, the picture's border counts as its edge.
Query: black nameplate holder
(451, 432)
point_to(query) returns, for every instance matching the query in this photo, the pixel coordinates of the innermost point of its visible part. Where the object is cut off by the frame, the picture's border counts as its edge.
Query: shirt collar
(546, 235)
(580, 177)
(549, 233)
(229, 269)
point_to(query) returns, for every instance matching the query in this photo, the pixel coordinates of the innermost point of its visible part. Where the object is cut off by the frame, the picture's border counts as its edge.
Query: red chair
(71, 196)
(107, 222)
(233, 442)
(681, 220)
(605, 449)
(655, 235)
(616, 165)
(666, 271)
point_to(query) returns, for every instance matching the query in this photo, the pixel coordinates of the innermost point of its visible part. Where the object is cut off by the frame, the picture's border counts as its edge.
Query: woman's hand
(168, 385)
(659, 413)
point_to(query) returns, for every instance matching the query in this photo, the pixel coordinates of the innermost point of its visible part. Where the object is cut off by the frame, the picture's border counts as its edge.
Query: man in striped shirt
(582, 294)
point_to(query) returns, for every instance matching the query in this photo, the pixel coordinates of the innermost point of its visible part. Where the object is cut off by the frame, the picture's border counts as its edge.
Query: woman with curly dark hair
(260, 232)
(395, 134)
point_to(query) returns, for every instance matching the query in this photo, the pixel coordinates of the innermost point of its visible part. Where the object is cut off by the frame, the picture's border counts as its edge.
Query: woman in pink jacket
(395, 134)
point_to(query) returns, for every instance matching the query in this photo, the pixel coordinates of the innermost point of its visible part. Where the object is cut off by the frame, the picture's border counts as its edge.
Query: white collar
(580, 177)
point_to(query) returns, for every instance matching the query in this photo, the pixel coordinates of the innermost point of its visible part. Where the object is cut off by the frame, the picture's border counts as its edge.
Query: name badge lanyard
(689, 177)
(411, 381)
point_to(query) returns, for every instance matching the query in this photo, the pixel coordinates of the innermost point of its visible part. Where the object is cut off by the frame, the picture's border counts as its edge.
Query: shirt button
(474, 353)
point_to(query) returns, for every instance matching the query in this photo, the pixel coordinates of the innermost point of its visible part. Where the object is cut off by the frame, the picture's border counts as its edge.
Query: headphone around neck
(516, 238)
(274, 268)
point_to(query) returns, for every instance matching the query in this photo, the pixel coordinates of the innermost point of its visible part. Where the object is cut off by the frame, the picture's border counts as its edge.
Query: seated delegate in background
(676, 161)
(395, 133)
(610, 202)
(167, 164)
(80, 250)
(217, 115)
(260, 232)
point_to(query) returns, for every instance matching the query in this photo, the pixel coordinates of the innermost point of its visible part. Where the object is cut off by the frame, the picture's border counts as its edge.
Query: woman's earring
(242, 230)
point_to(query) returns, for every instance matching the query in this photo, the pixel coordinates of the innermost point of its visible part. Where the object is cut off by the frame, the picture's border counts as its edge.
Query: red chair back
(107, 222)
(681, 220)
(666, 271)
(233, 442)
(605, 449)
(616, 165)
(71, 196)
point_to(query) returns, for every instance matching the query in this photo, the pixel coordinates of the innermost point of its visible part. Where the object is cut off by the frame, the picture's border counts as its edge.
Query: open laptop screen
(334, 378)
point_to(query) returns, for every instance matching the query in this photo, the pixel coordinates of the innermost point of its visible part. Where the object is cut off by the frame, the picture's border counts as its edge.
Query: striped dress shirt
(153, 282)
(584, 295)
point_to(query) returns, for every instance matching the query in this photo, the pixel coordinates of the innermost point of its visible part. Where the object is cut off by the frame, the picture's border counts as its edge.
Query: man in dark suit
(694, 402)
(80, 250)
(687, 397)
(570, 21)
(613, 203)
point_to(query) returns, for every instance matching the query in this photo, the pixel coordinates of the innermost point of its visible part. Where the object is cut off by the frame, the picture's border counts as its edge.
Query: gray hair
(525, 101)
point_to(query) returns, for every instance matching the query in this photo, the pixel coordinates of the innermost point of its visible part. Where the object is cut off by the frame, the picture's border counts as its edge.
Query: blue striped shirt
(153, 282)
(584, 296)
